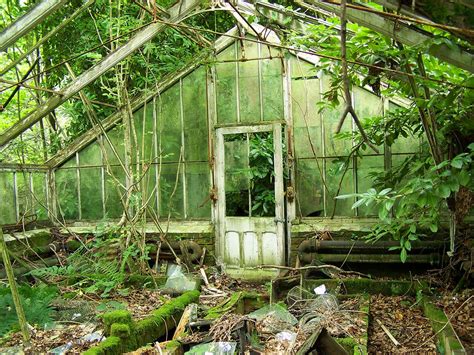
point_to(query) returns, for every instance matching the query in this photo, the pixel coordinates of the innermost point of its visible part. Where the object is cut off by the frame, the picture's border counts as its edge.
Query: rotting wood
(184, 321)
(28, 21)
(178, 11)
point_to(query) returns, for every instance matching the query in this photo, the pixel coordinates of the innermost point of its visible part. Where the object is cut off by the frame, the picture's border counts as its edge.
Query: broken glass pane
(7, 205)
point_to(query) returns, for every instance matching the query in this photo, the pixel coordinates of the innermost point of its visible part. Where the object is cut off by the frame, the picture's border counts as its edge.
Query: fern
(36, 300)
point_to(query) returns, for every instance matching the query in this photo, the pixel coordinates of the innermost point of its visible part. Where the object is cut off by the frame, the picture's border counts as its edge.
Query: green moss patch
(127, 335)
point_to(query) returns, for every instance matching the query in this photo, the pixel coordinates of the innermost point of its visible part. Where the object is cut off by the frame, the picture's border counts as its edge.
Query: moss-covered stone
(132, 335)
(447, 337)
(121, 316)
(110, 346)
(120, 330)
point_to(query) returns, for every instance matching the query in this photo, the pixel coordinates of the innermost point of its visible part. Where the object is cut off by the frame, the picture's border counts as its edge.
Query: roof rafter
(177, 12)
(28, 21)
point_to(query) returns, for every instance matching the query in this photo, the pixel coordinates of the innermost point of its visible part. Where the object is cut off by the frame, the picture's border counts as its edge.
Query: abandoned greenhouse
(219, 177)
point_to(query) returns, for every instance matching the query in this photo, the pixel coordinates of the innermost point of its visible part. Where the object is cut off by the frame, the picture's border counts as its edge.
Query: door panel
(249, 179)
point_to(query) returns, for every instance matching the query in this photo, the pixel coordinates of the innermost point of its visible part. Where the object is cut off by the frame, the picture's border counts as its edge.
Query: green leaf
(413, 228)
(457, 163)
(444, 191)
(394, 248)
(407, 245)
(358, 203)
(385, 191)
(434, 228)
(412, 237)
(389, 204)
(383, 213)
(403, 255)
(464, 178)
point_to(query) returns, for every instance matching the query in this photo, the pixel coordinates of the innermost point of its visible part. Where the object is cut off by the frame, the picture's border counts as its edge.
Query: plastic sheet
(276, 311)
(217, 348)
(179, 282)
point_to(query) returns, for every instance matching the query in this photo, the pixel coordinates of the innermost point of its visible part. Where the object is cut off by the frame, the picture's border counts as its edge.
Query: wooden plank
(28, 21)
(177, 12)
(408, 35)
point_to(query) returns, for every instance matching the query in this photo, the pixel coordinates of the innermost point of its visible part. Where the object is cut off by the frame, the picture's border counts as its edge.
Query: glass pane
(7, 204)
(409, 144)
(116, 138)
(334, 172)
(335, 146)
(144, 127)
(114, 191)
(309, 188)
(226, 88)
(301, 68)
(237, 175)
(368, 105)
(149, 190)
(40, 201)
(91, 193)
(66, 190)
(249, 86)
(365, 167)
(272, 88)
(91, 156)
(169, 124)
(24, 195)
(307, 120)
(198, 189)
(171, 191)
(195, 116)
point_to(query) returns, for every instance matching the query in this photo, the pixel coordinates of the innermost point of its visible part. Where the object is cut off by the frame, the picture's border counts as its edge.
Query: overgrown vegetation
(434, 185)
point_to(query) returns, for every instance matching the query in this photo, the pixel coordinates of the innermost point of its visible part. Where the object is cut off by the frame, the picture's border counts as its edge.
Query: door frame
(276, 129)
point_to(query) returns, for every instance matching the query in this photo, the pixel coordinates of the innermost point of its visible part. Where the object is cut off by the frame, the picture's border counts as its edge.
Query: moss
(120, 330)
(440, 323)
(172, 344)
(119, 316)
(111, 345)
(347, 343)
(132, 335)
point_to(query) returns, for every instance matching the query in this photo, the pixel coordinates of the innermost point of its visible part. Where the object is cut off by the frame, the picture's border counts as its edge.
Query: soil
(405, 321)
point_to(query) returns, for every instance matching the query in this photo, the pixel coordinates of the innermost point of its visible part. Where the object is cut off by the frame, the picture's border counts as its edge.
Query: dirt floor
(405, 321)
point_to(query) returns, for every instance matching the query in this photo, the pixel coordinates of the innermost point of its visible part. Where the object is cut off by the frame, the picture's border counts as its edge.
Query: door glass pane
(237, 179)
(249, 175)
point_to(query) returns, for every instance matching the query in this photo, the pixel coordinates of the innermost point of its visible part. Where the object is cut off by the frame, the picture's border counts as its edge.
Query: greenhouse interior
(236, 177)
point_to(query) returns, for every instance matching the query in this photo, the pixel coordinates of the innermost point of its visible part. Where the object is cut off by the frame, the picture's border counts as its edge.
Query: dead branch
(345, 81)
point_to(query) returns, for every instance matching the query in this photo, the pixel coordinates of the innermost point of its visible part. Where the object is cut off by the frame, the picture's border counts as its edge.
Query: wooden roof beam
(408, 35)
(177, 12)
(28, 21)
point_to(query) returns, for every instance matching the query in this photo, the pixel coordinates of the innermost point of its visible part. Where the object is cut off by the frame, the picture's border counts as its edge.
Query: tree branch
(345, 81)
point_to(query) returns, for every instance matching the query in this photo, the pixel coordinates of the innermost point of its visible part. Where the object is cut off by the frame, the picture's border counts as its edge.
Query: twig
(385, 329)
(345, 80)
